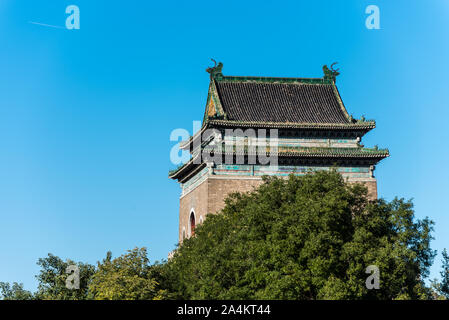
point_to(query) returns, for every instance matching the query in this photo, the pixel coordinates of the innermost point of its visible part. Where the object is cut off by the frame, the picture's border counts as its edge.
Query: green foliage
(128, 277)
(444, 288)
(435, 290)
(14, 292)
(309, 237)
(52, 279)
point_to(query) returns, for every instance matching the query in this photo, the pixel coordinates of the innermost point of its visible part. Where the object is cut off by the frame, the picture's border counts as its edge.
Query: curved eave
(313, 152)
(366, 126)
(190, 168)
(187, 170)
(185, 145)
(177, 173)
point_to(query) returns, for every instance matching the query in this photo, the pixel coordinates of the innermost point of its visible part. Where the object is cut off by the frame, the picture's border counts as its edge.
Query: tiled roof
(304, 152)
(284, 103)
(281, 100)
(322, 152)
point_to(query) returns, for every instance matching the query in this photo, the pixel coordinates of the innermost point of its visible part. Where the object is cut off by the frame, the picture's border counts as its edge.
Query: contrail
(46, 25)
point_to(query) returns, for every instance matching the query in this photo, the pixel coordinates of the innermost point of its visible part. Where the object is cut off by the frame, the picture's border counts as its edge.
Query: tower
(300, 125)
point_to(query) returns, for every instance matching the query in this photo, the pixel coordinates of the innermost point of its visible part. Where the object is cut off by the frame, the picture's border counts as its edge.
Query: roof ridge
(273, 79)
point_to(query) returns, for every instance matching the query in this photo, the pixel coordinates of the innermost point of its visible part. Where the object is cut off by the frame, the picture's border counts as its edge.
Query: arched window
(192, 223)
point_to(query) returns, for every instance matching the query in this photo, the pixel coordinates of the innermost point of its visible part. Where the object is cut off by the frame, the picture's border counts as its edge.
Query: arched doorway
(192, 223)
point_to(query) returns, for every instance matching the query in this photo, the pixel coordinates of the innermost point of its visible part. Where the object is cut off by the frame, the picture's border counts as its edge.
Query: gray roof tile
(281, 102)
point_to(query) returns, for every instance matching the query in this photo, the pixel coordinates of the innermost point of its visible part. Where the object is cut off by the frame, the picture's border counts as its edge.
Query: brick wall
(371, 184)
(219, 188)
(197, 200)
(209, 196)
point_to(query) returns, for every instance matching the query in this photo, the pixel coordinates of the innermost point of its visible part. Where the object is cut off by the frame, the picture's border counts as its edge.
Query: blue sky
(86, 115)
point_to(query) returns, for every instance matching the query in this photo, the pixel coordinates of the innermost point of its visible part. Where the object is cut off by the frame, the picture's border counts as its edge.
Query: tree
(308, 237)
(128, 277)
(53, 277)
(14, 292)
(444, 287)
(435, 290)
